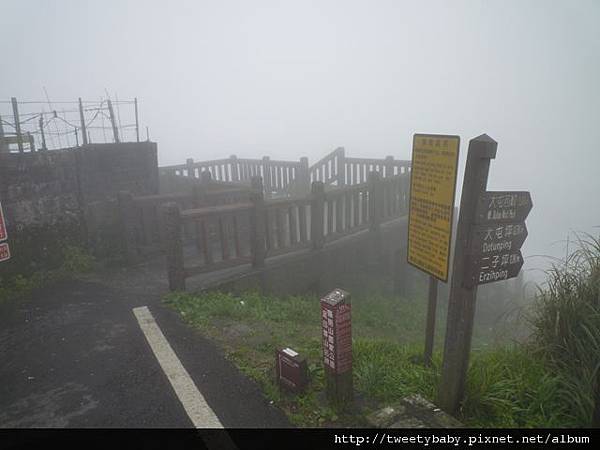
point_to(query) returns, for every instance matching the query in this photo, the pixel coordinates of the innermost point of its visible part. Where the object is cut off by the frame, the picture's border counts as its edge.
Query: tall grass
(566, 326)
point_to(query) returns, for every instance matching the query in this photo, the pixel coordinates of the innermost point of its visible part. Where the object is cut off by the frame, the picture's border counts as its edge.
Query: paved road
(74, 356)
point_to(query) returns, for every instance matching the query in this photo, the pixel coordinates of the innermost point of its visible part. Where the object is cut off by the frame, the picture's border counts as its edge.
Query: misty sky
(299, 78)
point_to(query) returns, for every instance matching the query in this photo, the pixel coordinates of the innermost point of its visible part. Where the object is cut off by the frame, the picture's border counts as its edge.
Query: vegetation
(545, 381)
(566, 326)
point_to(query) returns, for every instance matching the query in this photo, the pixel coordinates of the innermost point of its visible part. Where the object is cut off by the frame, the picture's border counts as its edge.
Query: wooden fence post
(341, 167)
(235, 172)
(205, 177)
(257, 223)
(267, 181)
(375, 201)
(317, 210)
(304, 177)
(174, 247)
(190, 168)
(129, 238)
(389, 166)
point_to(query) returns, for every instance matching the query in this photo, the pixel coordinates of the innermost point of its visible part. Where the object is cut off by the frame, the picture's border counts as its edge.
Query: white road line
(190, 397)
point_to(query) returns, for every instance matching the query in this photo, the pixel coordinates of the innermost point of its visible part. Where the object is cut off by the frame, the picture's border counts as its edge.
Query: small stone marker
(336, 322)
(292, 370)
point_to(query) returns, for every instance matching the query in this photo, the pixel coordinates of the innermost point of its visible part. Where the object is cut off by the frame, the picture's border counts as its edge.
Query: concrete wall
(59, 197)
(49, 187)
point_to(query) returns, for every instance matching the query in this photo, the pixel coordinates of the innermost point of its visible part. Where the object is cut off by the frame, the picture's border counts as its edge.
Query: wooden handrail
(210, 211)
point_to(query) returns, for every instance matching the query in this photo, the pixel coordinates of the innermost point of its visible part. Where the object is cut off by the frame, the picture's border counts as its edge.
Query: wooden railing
(142, 221)
(277, 175)
(256, 229)
(340, 170)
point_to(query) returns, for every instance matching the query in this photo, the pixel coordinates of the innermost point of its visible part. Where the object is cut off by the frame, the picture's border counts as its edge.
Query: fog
(290, 79)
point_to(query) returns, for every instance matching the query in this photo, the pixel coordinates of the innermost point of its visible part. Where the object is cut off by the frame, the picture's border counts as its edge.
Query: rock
(413, 411)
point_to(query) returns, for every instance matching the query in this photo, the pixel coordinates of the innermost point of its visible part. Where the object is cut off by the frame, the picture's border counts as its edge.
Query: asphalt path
(73, 355)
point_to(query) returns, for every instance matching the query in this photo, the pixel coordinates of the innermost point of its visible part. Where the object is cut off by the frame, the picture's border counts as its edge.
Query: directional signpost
(498, 233)
(4, 248)
(491, 230)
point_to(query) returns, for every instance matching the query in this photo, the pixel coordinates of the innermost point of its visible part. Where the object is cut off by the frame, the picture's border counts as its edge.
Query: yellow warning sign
(432, 189)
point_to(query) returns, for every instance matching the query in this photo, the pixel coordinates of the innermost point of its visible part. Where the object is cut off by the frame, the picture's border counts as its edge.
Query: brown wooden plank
(302, 222)
(236, 237)
(293, 219)
(208, 256)
(223, 239)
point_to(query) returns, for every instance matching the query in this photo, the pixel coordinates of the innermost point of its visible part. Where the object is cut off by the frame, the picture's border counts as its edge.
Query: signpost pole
(430, 330)
(461, 306)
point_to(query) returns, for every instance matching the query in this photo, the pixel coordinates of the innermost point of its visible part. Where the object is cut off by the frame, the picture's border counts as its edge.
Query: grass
(506, 387)
(566, 325)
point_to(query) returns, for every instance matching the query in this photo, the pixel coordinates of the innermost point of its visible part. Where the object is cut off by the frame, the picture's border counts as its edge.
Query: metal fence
(29, 126)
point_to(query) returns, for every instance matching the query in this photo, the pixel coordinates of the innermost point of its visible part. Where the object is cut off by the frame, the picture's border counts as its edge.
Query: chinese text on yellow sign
(432, 187)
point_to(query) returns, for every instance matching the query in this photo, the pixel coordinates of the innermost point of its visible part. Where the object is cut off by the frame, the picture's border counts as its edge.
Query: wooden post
(317, 213)
(389, 166)
(430, 327)
(267, 181)
(137, 123)
(174, 247)
(126, 206)
(375, 201)
(461, 304)
(84, 134)
(205, 177)
(257, 223)
(113, 122)
(15, 108)
(341, 167)
(191, 172)
(199, 199)
(235, 171)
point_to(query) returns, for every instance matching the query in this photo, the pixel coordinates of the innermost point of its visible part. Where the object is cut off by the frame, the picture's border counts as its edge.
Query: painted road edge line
(201, 415)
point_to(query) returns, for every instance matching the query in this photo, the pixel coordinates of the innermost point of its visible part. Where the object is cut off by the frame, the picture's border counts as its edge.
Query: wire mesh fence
(29, 126)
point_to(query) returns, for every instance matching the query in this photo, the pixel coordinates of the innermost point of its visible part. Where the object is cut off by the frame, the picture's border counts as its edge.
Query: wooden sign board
(497, 238)
(3, 233)
(432, 189)
(4, 251)
(505, 206)
(291, 369)
(490, 268)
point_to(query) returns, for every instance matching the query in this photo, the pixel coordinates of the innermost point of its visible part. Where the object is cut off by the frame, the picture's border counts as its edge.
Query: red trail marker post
(336, 322)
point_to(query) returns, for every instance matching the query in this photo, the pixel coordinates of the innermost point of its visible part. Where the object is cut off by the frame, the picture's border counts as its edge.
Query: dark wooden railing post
(304, 177)
(341, 167)
(205, 177)
(317, 209)
(235, 173)
(266, 180)
(257, 223)
(190, 167)
(174, 247)
(375, 201)
(126, 205)
(389, 166)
